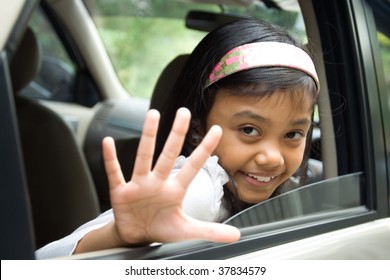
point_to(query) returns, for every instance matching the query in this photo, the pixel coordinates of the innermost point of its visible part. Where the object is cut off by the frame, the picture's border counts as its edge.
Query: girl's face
(263, 140)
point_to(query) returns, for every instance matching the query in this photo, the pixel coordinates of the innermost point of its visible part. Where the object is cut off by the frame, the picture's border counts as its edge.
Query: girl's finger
(111, 163)
(145, 151)
(214, 232)
(173, 144)
(199, 156)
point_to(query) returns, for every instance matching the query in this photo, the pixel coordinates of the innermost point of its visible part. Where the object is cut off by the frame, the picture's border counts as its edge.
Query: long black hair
(189, 90)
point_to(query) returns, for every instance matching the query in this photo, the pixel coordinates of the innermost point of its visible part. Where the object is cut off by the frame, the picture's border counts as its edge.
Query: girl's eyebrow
(303, 121)
(257, 117)
(250, 115)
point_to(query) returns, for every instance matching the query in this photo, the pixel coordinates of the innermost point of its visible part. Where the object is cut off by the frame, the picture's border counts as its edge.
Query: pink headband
(263, 54)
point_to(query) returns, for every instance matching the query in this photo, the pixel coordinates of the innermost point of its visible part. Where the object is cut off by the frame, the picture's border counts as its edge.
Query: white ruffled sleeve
(204, 195)
(67, 245)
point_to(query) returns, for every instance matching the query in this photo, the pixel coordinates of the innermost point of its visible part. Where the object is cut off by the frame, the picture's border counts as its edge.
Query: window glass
(56, 78)
(142, 37)
(322, 199)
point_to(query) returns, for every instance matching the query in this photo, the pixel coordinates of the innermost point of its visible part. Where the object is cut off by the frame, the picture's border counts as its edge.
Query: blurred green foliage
(143, 36)
(140, 48)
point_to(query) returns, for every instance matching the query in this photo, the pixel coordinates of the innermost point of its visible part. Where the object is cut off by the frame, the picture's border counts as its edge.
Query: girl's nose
(269, 155)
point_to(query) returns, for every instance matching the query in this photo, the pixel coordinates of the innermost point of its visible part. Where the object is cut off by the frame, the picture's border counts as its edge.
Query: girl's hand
(149, 207)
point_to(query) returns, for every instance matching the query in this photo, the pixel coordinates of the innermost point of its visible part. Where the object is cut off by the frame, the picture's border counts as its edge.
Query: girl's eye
(250, 131)
(295, 135)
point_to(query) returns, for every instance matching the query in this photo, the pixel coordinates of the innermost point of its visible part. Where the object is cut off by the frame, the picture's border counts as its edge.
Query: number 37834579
(238, 270)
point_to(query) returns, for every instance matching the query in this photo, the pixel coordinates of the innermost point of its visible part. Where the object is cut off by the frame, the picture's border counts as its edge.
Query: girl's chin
(253, 198)
(253, 201)
(254, 195)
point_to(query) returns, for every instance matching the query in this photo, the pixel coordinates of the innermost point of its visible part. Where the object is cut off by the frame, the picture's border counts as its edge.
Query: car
(75, 71)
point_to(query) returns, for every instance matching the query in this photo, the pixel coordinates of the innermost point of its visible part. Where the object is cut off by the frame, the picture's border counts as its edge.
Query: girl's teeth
(261, 178)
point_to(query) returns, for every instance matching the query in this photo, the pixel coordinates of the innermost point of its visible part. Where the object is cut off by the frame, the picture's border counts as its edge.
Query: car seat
(60, 185)
(166, 80)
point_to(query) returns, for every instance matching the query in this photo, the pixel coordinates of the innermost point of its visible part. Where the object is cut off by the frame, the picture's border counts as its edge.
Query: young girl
(247, 79)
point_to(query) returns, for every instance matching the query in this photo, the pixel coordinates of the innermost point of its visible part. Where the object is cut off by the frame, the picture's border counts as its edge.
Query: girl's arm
(149, 207)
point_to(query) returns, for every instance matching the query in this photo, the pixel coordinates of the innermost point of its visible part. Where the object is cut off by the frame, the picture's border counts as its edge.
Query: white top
(203, 201)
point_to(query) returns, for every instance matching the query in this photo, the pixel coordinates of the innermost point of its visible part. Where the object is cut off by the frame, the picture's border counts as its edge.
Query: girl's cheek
(296, 157)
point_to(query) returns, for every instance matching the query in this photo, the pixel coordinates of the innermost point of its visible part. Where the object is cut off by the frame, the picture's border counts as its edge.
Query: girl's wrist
(106, 237)
(135, 236)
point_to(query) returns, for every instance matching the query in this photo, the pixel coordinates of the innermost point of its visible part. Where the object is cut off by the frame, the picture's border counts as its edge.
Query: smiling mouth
(260, 178)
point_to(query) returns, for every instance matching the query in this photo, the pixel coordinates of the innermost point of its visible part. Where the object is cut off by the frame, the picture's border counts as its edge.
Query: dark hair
(189, 90)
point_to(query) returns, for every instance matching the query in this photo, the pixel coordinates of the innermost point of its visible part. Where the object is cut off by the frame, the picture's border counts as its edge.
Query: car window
(142, 37)
(56, 78)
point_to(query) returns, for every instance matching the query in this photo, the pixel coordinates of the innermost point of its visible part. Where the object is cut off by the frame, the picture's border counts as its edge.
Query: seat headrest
(166, 80)
(25, 63)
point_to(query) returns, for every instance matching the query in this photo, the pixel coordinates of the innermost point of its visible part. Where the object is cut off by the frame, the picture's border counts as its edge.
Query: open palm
(149, 207)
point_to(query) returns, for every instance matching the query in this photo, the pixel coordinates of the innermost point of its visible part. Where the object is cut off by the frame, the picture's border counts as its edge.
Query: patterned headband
(263, 54)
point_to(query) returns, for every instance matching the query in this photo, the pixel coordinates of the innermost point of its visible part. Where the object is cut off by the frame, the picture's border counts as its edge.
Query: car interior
(62, 156)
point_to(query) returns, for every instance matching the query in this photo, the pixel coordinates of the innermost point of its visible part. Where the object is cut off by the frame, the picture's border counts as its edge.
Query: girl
(248, 79)
(242, 67)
